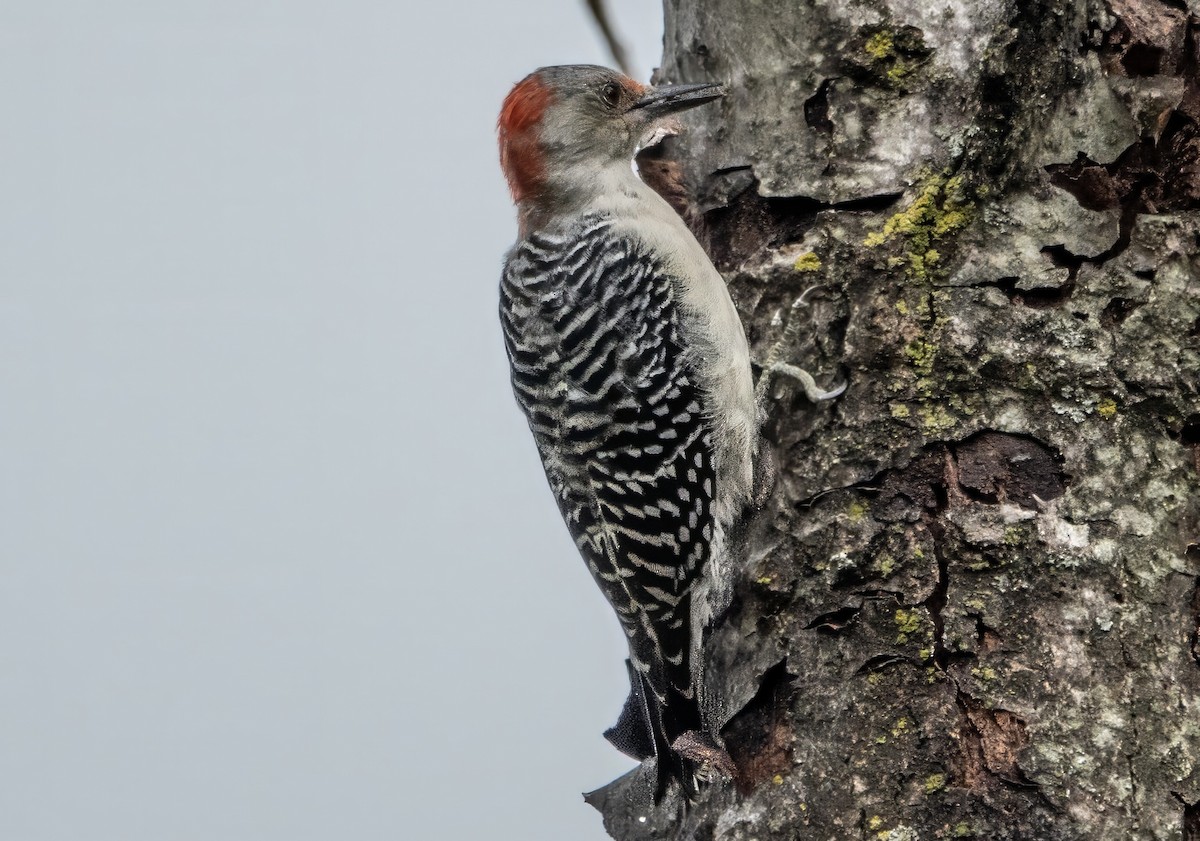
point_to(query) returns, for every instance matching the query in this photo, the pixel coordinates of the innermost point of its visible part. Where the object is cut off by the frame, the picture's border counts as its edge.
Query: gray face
(593, 116)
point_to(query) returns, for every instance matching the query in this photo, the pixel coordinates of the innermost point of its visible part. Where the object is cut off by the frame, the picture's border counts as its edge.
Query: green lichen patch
(890, 55)
(857, 510)
(983, 673)
(942, 208)
(922, 353)
(935, 419)
(807, 262)
(908, 622)
(886, 565)
(881, 45)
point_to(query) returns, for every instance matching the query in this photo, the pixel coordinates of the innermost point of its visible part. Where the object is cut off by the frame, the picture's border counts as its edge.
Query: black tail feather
(631, 735)
(647, 728)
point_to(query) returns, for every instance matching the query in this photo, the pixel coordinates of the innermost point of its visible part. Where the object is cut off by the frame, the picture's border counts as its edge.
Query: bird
(631, 365)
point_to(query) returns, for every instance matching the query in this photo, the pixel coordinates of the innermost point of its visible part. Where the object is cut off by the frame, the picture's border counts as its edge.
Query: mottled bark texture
(970, 609)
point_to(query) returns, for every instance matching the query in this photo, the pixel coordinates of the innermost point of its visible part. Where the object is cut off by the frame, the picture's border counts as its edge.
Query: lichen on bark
(971, 608)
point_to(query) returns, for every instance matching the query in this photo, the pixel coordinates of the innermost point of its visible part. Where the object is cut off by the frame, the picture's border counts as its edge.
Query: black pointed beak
(669, 99)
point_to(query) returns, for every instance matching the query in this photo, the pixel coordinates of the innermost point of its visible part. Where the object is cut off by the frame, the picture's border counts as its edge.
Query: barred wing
(601, 371)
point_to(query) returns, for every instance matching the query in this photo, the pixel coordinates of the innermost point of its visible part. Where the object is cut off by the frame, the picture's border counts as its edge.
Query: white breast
(714, 333)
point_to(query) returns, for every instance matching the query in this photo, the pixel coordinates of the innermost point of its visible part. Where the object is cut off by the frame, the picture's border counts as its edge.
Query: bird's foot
(708, 759)
(775, 366)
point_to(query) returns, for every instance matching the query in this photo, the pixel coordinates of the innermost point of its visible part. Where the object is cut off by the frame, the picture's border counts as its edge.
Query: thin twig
(615, 48)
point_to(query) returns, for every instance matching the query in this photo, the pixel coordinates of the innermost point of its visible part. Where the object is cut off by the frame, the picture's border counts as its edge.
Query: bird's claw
(709, 758)
(774, 367)
(811, 390)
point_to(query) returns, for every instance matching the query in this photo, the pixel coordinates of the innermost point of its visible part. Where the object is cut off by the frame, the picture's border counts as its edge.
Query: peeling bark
(971, 609)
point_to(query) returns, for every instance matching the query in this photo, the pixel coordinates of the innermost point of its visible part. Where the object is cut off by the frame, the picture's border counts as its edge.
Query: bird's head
(562, 126)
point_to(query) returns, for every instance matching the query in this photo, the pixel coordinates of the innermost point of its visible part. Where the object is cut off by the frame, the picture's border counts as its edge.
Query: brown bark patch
(760, 738)
(990, 744)
(1089, 182)
(989, 467)
(923, 483)
(746, 226)
(662, 173)
(751, 224)
(1147, 40)
(1159, 173)
(1148, 177)
(996, 467)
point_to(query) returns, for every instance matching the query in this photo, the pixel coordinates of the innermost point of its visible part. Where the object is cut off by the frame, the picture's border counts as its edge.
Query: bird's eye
(611, 94)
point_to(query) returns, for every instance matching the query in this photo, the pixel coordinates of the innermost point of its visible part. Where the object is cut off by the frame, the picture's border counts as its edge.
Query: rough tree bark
(970, 609)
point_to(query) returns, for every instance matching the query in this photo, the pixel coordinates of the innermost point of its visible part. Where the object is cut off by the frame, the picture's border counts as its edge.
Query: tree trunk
(970, 609)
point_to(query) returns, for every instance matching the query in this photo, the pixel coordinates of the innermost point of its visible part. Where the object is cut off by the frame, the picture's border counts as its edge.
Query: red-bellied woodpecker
(632, 368)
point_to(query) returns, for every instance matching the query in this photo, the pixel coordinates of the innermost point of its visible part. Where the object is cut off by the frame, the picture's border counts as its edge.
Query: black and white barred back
(601, 369)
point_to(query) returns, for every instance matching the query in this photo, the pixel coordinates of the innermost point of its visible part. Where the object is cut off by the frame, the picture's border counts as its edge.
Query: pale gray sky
(278, 562)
